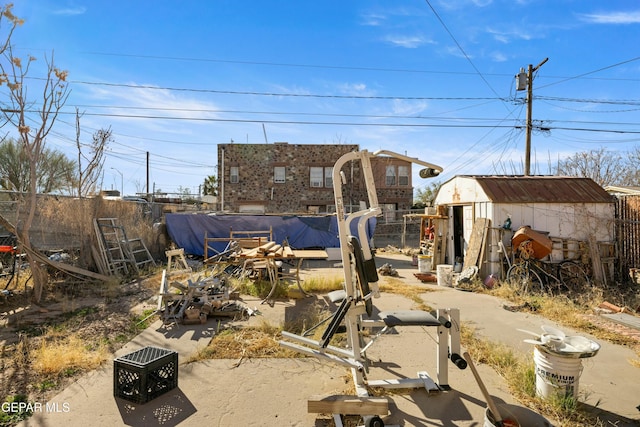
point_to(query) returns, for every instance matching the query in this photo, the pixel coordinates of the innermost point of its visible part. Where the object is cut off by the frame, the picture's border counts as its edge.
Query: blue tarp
(302, 232)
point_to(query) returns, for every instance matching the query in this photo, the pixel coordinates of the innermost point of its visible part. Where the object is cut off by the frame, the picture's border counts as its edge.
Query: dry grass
(78, 356)
(571, 311)
(241, 343)
(322, 284)
(396, 286)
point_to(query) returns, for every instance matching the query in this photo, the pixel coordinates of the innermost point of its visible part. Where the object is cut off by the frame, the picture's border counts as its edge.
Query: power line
(591, 72)
(461, 49)
(335, 67)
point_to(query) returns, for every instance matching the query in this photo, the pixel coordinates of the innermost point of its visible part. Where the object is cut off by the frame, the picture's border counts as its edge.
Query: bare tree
(604, 167)
(90, 163)
(32, 130)
(634, 170)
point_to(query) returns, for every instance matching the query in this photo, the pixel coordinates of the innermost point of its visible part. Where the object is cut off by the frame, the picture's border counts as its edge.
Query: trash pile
(388, 270)
(194, 302)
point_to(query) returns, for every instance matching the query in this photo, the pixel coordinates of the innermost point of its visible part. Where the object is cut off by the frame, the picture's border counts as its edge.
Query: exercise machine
(355, 311)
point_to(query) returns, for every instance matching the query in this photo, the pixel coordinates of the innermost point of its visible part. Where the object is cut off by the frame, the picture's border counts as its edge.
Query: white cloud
(144, 101)
(612, 17)
(506, 36)
(71, 11)
(408, 108)
(410, 42)
(498, 56)
(373, 19)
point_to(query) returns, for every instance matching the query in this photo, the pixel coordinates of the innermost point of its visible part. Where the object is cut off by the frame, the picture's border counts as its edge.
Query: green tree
(210, 186)
(424, 197)
(54, 171)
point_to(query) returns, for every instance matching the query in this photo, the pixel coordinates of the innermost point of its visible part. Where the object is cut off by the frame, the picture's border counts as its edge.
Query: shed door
(462, 227)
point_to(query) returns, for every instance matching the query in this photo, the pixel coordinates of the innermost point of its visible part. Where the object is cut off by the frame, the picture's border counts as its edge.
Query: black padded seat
(408, 318)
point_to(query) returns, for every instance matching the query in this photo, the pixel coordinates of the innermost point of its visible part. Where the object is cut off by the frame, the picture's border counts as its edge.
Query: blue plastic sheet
(301, 232)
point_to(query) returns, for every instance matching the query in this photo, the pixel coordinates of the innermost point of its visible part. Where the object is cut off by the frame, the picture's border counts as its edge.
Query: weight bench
(360, 286)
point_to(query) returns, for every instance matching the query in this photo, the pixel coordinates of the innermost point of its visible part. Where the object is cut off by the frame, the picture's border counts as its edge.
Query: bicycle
(534, 275)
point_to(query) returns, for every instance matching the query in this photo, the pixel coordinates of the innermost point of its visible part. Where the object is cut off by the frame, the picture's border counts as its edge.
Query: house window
(328, 176)
(279, 174)
(403, 175)
(315, 177)
(390, 176)
(321, 176)
(234, 177)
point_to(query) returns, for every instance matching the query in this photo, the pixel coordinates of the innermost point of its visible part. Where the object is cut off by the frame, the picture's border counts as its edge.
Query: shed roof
(542, 189)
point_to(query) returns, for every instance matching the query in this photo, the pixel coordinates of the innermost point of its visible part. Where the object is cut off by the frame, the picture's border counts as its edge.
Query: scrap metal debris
(388, 270)
(194, 301)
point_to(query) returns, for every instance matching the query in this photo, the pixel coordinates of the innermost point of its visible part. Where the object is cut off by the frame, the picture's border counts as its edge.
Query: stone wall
(256, 185)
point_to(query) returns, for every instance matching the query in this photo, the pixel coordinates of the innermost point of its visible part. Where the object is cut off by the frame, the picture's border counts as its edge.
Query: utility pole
(121, 182)
(148, 198)
(529, 86)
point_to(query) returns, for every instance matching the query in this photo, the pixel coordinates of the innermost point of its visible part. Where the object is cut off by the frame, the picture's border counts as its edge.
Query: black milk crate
(145, 374)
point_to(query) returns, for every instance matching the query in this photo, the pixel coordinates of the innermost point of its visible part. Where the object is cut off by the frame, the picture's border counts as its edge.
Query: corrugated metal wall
(628, 233)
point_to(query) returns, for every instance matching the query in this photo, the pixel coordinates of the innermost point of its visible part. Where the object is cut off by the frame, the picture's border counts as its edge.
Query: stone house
(282, 178)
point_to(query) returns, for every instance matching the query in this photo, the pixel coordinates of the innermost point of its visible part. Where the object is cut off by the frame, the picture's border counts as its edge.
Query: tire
(524, 279)
(374, 421)
(573, 276)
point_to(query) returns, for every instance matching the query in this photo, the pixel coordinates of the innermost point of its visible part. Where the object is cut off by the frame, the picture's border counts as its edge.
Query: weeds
(78, 356)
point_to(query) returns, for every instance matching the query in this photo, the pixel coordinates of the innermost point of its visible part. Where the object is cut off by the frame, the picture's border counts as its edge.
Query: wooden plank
(288, 252)
(348, 405)
(476, 241)
(310, 253)
(67, 267)
(265, 248)
(483, 245)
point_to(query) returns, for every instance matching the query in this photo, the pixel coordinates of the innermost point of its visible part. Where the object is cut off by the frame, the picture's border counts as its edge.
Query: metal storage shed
(570, 209)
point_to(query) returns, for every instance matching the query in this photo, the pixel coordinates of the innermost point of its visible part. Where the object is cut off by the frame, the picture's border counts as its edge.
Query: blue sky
(432, 79)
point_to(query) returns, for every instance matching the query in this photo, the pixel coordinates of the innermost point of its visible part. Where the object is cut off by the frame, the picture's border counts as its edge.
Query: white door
(467, 227)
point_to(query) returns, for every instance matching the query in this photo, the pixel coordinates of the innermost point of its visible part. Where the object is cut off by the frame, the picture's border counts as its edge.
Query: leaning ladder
(110, 238)
(120, 253)
(138, 253)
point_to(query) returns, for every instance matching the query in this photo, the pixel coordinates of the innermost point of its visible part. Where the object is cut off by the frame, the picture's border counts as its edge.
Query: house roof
(542, 189)
(633, 190)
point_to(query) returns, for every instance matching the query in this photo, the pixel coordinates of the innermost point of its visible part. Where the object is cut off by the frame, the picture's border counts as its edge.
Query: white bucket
(556, 375)
(424, 263)
(444, 274)
(557, 253)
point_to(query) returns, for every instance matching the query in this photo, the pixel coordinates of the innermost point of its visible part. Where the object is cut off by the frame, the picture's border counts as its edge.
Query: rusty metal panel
(549, 189)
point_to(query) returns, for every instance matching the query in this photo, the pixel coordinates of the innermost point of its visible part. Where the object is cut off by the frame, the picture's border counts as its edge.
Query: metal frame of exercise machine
(361, 285)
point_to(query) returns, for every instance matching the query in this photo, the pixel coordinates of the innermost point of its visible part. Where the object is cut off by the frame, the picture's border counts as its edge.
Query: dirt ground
(96, 313)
